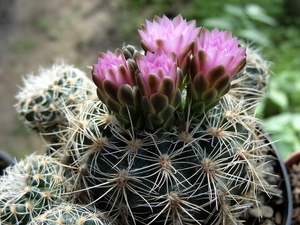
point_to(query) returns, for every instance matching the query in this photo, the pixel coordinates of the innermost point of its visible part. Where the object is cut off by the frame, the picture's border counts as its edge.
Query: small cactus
(32, 186)
(41, 98)
(207, 165)
(72, 214)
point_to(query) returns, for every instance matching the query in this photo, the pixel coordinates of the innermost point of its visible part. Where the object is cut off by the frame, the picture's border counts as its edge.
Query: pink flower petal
(220, 49)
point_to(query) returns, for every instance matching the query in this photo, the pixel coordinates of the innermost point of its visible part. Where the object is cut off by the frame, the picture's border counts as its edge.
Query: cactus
(173, 138)
(31, 187)
(208, 173)
(72, 214)
(41, 98)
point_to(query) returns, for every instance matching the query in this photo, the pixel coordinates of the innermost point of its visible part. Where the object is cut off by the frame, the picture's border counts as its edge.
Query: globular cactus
(42, 96)
(208, 173)
(160, 152)
(31, 187)
(173, 139)
(71, 214)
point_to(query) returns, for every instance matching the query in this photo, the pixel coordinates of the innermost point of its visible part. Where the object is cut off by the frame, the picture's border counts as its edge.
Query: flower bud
(175, 35)
(217, 57)
(117, 86)
(159, 80)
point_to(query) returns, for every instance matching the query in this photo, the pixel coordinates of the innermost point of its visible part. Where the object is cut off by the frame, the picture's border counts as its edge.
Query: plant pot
(292, 159)
(292, 163)
(5, 161)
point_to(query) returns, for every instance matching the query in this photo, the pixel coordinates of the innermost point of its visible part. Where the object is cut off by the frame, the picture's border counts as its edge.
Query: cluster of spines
(251, 83)
(31, 187)
(72, 214)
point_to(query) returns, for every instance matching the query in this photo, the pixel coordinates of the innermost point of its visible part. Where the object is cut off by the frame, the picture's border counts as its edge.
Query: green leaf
(113, 105)
(124, 110)
(287, 143)
(256, 12)
(254, 35)
(220, 22)
(279, 98)
(209, 95)
(111, 89)
(167, 112)
(155, 119)
(147, 106)
(198, 108)
(295, 121)
(234, 10)
(167, 87)
(176, 99)
(278, 123)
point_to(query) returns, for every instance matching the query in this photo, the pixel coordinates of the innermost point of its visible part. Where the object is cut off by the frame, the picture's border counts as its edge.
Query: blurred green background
(34, 34)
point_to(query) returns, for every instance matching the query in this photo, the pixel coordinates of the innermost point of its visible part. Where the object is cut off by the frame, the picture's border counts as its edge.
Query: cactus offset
(31, 187)
(41, 98)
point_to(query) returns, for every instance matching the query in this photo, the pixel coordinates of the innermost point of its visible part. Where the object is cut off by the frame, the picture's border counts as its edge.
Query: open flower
(175, 35)
(158, 73)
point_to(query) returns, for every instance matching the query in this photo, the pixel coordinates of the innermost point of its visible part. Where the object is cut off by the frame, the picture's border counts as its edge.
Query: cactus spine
(71, 214)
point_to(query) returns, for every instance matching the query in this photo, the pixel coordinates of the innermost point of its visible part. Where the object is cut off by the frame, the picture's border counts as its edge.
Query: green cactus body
(70, 214)
(30, 187)
(206, 173)
(40, 100)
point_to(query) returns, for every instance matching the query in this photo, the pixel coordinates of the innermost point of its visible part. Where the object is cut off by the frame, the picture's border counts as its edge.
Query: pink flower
(158, 73)
(112, 75)
(217, 48)
(112, 67)
(217, 57)
(175, 35)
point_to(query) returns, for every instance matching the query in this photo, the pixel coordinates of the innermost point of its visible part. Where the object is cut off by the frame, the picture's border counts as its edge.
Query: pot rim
(286, 184)
(292, 159)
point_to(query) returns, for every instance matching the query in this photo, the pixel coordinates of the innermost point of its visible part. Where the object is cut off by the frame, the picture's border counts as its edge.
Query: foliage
(280, 111)
(243, 22)
(285, 128)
